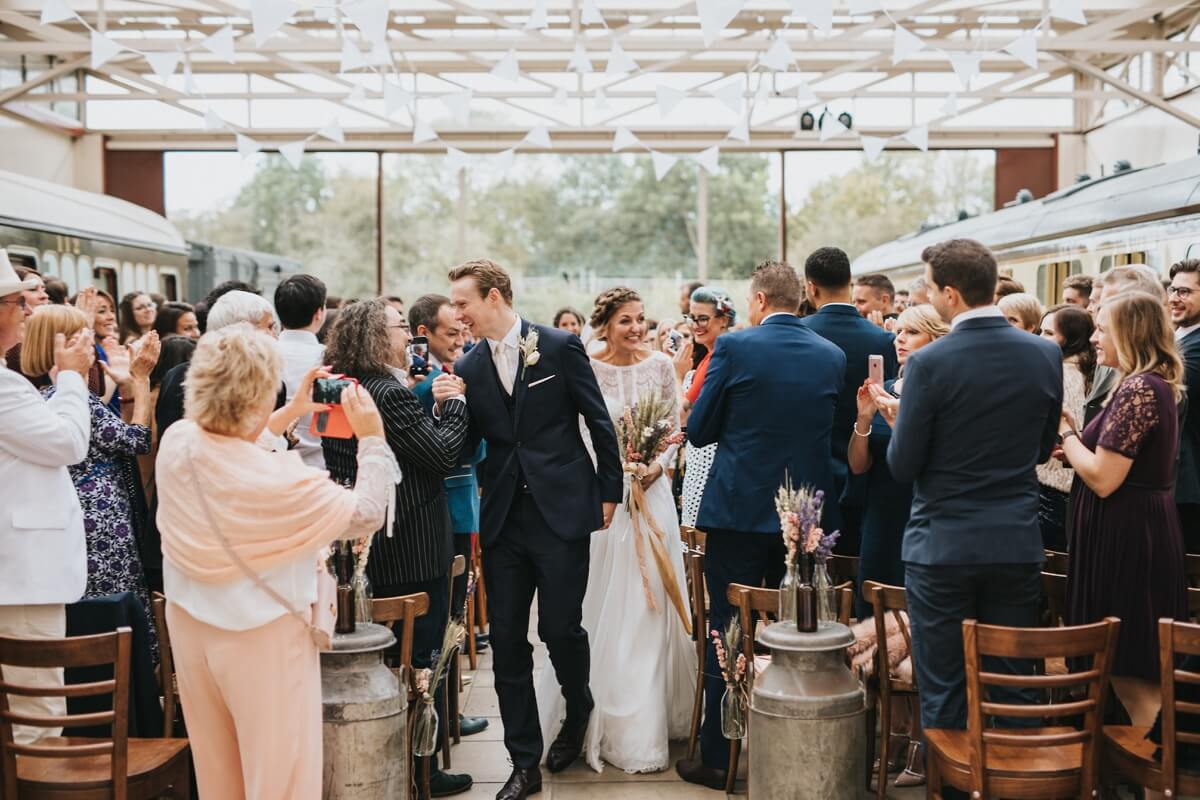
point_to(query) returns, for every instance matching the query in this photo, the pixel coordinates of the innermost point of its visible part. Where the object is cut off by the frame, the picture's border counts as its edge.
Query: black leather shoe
(444, 784)
(481, 642)
(567, 744)
(695, 772)
(469, 726)
(521, 784)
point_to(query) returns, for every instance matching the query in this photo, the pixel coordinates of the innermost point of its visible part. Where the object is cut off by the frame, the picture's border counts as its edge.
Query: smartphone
(331, 424)
(329, 390)
(674, 341)
(418, 356)
(875, 369)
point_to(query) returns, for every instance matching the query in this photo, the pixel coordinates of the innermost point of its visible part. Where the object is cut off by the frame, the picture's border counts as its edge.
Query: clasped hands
(446, 386)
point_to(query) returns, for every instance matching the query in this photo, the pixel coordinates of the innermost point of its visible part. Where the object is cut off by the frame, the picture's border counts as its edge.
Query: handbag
(322, 613)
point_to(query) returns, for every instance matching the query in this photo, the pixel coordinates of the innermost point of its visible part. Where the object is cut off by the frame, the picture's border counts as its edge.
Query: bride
(642, 659)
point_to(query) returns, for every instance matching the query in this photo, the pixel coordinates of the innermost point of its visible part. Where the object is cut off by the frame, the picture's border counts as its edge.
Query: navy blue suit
(541, 502)
(768, 400)
(1187, 481)
(859, 339)
(980, 410)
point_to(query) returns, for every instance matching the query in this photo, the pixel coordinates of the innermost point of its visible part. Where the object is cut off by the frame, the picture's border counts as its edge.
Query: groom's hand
(446, 387)
(609, 510)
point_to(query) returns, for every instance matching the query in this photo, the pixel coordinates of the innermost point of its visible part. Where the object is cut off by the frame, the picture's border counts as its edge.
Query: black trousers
(428, 630)
(527, 557)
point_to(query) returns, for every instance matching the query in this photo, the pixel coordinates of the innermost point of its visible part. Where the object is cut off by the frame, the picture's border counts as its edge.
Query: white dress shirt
(976, 313)
(301, 352)
(785, 314)
(508, 350)
(1182, 332)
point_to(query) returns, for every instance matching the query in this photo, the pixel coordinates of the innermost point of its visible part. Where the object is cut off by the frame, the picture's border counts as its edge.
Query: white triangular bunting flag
(459, 106)
(819, 13)
(103, 48)
(268, 16)
(950, 107)
(579, 61)
(189, 86)
(370, 17)
(423, 133)
(538, 137)
(668, 98)
(55, 11)
(333, 132)
(1070, 10)
(966, 67)
(164, 63)
(358, 94)
(456, 159)
(872, 146)
(715, 16)
(619, 62)
(352, 57)
(507, 68)
(293, 152)
(663, 162)
(731, 95)
(246, 146)
(832, 128)
(502, 162)
(591, 13)
(905, 44)
(537, 17)
(395, 97)
(1024, 48)
(858, 7)
(213, 122)
(220, 44)
(709, 159)
(805, 96)
(561, 98)
(741, 132)
(918, 137)
(623, 139)
(779, 56)
(380, 55)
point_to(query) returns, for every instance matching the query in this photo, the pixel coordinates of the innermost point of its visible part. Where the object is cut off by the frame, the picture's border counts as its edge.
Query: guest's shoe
(914, 769)
(481, 642)
(521, 784)
(568, 743)
(897, 749)
(694, 771)
(445, 784)
(469, 726)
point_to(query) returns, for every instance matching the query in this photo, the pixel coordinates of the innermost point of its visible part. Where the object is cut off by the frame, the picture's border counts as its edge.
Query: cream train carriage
(1144, 216)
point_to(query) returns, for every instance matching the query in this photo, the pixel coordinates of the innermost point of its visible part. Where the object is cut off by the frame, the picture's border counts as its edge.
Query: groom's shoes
(694, 771)
(521, 784)
(568, 744)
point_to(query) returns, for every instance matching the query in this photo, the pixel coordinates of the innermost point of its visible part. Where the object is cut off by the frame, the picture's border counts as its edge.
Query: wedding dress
(642, 660)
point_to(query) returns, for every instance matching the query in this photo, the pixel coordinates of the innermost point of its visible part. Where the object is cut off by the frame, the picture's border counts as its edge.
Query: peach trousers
(252, 703)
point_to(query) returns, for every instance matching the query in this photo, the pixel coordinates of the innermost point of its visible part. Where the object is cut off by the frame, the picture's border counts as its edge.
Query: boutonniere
(528, 346)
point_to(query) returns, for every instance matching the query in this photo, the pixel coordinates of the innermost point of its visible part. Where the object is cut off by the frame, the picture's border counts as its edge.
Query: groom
(542, 498)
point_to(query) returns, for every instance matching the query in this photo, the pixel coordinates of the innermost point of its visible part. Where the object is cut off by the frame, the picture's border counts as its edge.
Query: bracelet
(1070, 432)
(856, 433)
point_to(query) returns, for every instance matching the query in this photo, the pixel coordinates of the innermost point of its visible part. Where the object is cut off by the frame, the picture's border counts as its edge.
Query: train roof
(1124, 198)
(54, 208)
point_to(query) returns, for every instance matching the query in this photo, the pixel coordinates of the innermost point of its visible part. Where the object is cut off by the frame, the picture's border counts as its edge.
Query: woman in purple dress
(1127, 557)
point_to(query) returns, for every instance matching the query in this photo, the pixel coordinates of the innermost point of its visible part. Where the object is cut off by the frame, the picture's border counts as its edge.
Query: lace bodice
(625, 386)
(1133, 413)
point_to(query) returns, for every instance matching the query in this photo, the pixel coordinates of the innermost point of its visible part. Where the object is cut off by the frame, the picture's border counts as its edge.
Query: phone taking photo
(875, 369)
(333, 423)
(418, 356)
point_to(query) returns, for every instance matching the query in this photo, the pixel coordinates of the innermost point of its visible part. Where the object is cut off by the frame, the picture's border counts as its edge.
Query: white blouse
(1054, 473)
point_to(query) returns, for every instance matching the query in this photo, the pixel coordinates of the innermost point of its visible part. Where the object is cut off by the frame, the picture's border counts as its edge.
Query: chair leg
(885, 742)
(471, 654)
(933, 775)
(697, 707)
(444, 729)
(453, 698)
(871, 719)
(735, 752)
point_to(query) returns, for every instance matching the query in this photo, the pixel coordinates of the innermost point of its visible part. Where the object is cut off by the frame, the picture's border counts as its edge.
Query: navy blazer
(1187, 482)
(462, 490)
(980, 410)
(768, 401)
(534, 436)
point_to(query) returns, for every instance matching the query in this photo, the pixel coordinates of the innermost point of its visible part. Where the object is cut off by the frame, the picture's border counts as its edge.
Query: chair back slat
(885, 600)
(64, 751)
(1039, 681)
(71, 690)
(166, 662)
(93, 719)
(1097, 641)
(1175, 641)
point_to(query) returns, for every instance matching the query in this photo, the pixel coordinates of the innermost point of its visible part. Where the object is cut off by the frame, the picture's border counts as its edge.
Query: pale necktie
(504, 367)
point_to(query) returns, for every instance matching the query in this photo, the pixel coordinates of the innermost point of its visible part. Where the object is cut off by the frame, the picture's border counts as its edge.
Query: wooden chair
(166, 664)
(843, 569)
(1054, 588)
(885, 600)
(59, 767)
(1045, 762)
(479, 607)
(694, 563)
(399, 614)
(1191, 568)
(1128, 754)
(753, 604)
(1057, 562)
(451, 728)
(474, 613)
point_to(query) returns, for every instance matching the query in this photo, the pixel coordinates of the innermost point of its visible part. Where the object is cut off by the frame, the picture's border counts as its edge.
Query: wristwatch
(1069, 432)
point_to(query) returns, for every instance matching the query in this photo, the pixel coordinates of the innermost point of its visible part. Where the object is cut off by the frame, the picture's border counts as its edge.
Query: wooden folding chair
(451, 729)
(1043, 762)
(60, 767)
(399, 614)
(885, 600)
(754, 605)
(166, 664)
(1054, 589)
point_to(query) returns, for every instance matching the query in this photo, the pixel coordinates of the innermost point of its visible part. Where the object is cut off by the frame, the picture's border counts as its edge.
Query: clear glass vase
(826, 594)
(787, 594)
(425, 727)
(362, 597)
(733, 713)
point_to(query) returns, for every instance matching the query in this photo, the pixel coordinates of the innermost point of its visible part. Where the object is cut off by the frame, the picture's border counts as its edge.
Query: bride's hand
(653, 474)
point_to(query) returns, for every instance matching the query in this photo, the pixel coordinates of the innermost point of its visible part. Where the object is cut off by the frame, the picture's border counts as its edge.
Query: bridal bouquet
(644, 433)
(425, 726)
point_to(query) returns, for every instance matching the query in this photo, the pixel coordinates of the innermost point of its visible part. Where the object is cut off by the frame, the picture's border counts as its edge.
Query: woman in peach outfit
(247, 666)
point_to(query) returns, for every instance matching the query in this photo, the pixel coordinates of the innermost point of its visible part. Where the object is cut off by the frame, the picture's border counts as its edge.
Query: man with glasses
(1183, 303)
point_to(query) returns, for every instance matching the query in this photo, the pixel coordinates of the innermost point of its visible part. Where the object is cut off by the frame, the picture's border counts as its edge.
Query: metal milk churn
(807, 739)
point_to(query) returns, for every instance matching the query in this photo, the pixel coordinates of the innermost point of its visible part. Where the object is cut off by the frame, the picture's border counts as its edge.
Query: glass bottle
(787, 593)
(362, 597)
(826, 596)
(425, 728)
(733, 713)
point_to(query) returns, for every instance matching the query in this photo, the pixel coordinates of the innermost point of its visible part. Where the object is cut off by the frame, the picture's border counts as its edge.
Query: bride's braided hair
(607, 303)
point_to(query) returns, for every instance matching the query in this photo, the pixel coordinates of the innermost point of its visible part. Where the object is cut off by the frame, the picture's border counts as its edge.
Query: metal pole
(379, 222)
(783, 222)
(702, 224)
(460, 244)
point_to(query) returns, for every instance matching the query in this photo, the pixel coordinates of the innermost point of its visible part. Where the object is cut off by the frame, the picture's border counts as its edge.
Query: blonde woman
(887, 507)
(248, 668)
(1126, 543)
(1022, 311)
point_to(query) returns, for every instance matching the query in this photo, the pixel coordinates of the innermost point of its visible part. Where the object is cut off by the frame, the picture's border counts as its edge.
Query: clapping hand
(119, 361)
(145, 356)
(889, 407)
(86, 301)
(75, 355)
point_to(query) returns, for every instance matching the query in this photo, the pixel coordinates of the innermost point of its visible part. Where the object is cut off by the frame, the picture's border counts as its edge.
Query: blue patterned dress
(105, 481)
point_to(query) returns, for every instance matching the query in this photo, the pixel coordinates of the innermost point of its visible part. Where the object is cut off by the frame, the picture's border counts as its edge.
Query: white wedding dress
(642, 660)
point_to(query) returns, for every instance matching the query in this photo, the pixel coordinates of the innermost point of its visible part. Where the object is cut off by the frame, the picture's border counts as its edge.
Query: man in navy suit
(1184, 304)
(768, 399)
(980, 409)
(827, 282)
(526, 387)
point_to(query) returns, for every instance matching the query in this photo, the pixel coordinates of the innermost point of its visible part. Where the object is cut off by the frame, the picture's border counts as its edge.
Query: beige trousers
(252, 703)
(35, 622)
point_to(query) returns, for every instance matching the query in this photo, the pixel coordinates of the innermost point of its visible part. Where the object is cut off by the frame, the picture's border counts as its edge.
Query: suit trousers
(940, 597)
(35, 622)
(526, 557)
(752, 559)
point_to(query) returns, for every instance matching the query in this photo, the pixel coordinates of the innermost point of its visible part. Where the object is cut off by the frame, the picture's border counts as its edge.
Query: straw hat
(9, 282)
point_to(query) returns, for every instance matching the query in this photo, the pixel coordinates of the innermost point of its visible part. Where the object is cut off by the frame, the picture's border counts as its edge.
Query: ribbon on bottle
(658, 548)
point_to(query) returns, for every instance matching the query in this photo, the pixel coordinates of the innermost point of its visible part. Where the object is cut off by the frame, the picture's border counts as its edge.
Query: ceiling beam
(1129, 89)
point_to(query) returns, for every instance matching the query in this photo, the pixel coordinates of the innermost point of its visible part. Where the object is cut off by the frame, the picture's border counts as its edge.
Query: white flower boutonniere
(528, 345)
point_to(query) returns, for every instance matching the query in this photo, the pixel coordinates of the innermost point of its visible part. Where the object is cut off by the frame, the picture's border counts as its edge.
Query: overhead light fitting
(846, 119)
(807, 121)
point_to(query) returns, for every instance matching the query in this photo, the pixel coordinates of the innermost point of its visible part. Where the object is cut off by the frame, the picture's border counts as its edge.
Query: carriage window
(85, 272)
(168, 285)
(1041, 281)
(127, 278)
(22, 259)
(50, 263)
(1106, 263)
(139, 280)
(106, 279)
(67, 270)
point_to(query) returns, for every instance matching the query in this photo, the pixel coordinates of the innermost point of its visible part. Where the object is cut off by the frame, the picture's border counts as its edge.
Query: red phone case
(337, 426)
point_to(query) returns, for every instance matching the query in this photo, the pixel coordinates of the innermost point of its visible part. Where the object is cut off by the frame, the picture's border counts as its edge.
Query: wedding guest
(918, 292)
(1094, 299)
(827, 284)
(135, 317)
(1077, 291)
(1114, 282)
(667, 342)
(176, 319)
(300, 306)
(711, 314)
(106, 479)
(393, 300)
(217, 292)
(1184, 307)
(369, 344)
(780, 428)
(104, 326)
(1006, 285)
(685, 296)
(873, 297)
(1126, 528)
(902, 300)
(44, 563)
(1023, 311)
(57, 291)
(37, 295)
(972, 547)
(570, 320)
(246, 662)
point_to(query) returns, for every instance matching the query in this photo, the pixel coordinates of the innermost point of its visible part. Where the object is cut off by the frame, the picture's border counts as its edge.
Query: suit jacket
(1187, 483)
(420, 546)
(768, 400)
(44, 553)
(1104, 381)
(533, 436)
(980, 410)
(462, 489)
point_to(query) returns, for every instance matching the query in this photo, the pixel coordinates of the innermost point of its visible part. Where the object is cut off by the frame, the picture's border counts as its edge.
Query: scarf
(698, 379)
(272, 507)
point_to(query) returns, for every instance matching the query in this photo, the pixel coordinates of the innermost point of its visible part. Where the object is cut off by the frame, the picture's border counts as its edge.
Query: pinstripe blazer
(420, 547)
